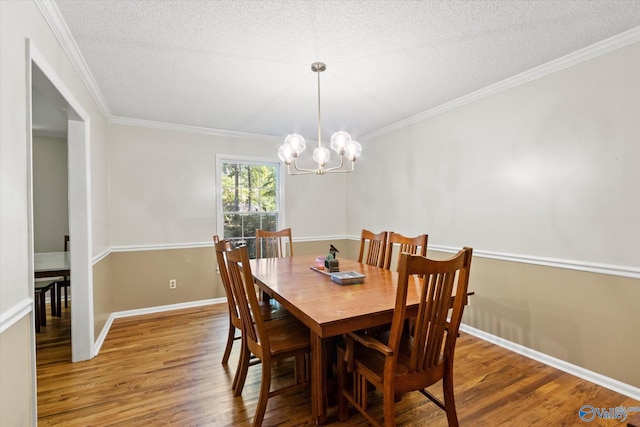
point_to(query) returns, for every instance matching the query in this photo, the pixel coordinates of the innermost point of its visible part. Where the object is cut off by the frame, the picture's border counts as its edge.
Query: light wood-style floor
(164, 369)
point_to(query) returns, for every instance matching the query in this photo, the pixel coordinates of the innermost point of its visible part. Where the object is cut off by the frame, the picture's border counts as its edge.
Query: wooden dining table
(330, 309)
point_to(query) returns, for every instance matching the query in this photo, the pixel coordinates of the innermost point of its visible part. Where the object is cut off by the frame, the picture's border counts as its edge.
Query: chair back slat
(274, 244)
(376, 246)
(431, 322)
(412, 245)
(241, 280)
(438, 320)
(221, 248)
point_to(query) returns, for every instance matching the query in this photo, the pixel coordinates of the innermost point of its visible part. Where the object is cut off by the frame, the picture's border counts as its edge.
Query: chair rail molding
(15, 313)
(590, 267)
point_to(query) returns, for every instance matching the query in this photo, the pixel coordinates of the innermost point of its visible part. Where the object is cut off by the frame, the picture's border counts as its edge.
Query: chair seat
(287, 335)
(271, 311)
(43, 285)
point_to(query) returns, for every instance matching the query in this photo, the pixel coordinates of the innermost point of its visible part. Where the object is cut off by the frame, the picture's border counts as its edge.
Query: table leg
(54, 299)
(318, 380)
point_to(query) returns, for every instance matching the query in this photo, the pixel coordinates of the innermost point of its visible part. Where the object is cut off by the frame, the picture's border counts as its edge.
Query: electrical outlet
(172, 284)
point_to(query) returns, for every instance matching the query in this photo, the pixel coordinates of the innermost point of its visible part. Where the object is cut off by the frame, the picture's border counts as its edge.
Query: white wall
(544, 173)
(548, 169)
(21, 21)
(163, 189)
(50, 189)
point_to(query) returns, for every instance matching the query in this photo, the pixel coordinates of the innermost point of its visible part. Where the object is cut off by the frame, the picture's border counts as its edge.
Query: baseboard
(594, 377)
(148, 310)
(103, 335)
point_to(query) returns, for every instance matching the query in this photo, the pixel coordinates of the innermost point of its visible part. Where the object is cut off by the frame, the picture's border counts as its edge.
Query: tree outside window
(249, 201)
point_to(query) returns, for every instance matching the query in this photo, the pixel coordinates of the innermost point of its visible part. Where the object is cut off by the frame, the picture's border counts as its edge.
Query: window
(249, 199)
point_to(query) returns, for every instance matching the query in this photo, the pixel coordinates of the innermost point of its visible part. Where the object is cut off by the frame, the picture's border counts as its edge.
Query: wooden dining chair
(376, 246)
(63, 284)
(273, 244)
(268, 311)
(396, 362)
(271, 341)
(412, 245)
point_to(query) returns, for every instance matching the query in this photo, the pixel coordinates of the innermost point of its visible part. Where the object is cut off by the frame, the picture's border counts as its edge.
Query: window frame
(248, 160)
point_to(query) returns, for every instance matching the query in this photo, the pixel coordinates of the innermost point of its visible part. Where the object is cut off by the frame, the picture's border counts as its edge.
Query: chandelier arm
(308, 172)
(335, 170)
(300, 173)
(303, 170)
(336, 167)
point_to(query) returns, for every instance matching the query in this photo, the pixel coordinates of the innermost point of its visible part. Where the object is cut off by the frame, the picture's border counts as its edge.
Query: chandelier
(341, 143)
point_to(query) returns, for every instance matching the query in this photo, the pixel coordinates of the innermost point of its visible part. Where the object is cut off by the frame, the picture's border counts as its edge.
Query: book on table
(347, 277)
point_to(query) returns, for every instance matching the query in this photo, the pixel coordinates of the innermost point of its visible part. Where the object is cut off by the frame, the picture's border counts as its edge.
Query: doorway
(48, 92)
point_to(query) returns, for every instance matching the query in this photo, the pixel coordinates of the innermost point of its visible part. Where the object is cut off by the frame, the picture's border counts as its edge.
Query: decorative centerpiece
(331, 262)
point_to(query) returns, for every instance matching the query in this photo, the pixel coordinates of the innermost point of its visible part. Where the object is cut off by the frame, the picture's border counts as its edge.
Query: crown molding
(56, 22)
(589, 52)
(59, 27)
(191, 129)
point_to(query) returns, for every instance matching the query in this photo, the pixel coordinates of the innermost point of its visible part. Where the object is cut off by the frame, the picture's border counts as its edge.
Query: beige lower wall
(103, 304)
(16, 375)
(586, 319)
(140, 279)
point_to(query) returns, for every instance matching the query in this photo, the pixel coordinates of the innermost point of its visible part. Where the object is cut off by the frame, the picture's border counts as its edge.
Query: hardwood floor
(164, 369)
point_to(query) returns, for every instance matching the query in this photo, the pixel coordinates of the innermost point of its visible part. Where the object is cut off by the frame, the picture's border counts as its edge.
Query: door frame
(79, 173)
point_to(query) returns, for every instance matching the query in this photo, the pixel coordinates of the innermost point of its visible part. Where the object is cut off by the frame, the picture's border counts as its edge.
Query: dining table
(49, 265)
(330, 309)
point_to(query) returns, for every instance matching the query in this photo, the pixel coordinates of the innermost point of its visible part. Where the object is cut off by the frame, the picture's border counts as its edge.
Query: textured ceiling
(244, 66)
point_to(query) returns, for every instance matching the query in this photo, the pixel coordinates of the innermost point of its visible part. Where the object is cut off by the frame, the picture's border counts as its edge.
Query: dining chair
(272, 341)
(412, 245)
(396, 362)
(273, 244)
(376, 246)
(267, 310)
(41, 287)
(63, 283)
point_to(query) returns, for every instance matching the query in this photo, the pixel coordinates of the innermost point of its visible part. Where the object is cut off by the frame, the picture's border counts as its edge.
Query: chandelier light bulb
(353, 150)
(296, 142)
(285, 154)
(321, 155)
(339, 141)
